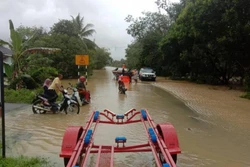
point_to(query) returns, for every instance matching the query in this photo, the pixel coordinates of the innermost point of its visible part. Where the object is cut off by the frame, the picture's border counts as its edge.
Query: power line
(117, 47)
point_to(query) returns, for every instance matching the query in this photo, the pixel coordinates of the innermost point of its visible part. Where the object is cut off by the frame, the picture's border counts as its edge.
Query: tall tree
(83, 31)
(151, 21)
(133, 53)
(148, 31)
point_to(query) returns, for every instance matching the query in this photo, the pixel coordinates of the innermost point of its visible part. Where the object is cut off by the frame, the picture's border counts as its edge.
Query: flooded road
(204, 141)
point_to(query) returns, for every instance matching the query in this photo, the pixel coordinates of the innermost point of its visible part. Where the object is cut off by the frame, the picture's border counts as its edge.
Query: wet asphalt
(13, 106)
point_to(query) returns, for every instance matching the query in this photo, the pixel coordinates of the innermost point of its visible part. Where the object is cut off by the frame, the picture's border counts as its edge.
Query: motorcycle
(122, 89)
(41, 104)
(121, 86)
(79, 96)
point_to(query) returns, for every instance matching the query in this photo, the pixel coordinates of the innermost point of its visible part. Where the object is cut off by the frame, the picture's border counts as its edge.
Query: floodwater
(204, 141)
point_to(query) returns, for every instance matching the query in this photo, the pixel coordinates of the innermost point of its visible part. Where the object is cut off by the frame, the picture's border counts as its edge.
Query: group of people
(53, 88)
(134, 75)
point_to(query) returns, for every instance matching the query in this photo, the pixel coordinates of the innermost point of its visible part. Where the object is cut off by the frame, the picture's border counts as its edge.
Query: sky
(107, 16)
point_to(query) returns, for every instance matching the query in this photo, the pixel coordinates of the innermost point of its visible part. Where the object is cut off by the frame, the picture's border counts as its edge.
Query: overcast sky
(106, 15)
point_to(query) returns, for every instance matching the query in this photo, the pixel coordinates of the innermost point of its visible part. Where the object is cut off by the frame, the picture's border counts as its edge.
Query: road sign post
(82, 60)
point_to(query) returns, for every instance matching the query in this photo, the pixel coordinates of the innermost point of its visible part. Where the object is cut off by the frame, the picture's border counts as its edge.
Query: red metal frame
(77, 142)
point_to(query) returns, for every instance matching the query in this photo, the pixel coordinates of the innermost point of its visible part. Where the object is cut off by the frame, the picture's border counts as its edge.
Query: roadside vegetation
(20, 95)
(23, 161)
(38, 54)
(196, 40)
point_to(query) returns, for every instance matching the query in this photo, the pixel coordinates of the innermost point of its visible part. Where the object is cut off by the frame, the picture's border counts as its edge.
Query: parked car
(147, 73)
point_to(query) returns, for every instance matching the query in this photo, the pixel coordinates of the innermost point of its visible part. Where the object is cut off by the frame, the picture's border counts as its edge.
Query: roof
(6, 51)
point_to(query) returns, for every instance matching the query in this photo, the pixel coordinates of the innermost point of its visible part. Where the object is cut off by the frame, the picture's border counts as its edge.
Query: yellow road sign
(82, 59)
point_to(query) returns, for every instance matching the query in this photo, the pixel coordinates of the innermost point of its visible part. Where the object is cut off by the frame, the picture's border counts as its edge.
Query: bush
(24, 162)
(43, 73)
(247, 83)
(20, 95)
(25, 81)
(246, 95)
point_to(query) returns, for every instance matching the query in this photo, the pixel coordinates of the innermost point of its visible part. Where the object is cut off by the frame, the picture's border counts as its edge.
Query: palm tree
(84, 31)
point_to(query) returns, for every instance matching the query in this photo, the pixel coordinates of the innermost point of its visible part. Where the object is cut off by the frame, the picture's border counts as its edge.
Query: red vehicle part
(168, 133)
(78, 142)
(70, 139)
(124, 79)
(85, 94)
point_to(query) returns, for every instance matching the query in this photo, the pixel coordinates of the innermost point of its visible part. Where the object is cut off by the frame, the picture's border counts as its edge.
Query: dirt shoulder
(216, 102)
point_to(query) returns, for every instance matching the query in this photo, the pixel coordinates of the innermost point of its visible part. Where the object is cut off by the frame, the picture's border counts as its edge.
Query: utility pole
(2, 104)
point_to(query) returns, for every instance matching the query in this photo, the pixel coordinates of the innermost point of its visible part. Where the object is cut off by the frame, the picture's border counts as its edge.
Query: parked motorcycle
(41, 104)
(79, 96)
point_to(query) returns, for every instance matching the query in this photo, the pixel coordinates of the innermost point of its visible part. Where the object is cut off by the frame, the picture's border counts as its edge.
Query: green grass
(23, 95)
(23, 161)
(20, 96)
(246, 95)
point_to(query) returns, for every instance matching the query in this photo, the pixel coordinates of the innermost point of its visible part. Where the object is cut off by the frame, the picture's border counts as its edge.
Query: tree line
(38, 54)
(206, 41)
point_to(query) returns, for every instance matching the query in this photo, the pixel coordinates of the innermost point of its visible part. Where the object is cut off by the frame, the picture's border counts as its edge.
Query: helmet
(82, 78)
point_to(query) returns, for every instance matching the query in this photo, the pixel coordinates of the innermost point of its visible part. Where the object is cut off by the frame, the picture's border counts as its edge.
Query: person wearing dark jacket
(46, 85)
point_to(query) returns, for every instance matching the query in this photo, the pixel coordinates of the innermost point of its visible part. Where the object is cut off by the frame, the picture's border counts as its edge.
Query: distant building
(7, 58)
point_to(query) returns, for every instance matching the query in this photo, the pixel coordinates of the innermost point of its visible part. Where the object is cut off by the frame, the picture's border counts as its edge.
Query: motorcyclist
(46, 85)
(55, 88)
(121, 85)
(82, 89)
(46, 94)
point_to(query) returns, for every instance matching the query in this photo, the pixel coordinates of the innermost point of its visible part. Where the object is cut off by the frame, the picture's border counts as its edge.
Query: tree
(151, 21)
(19, 50)
(99, 58)
(32, 33)
(64, 27)
(83, 31)
(210, 40)
(17, 47)
(173, 9)
(133, 53)
(148, 31)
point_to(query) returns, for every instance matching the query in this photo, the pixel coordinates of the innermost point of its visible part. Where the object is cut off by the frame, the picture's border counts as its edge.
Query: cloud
(106, 15)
